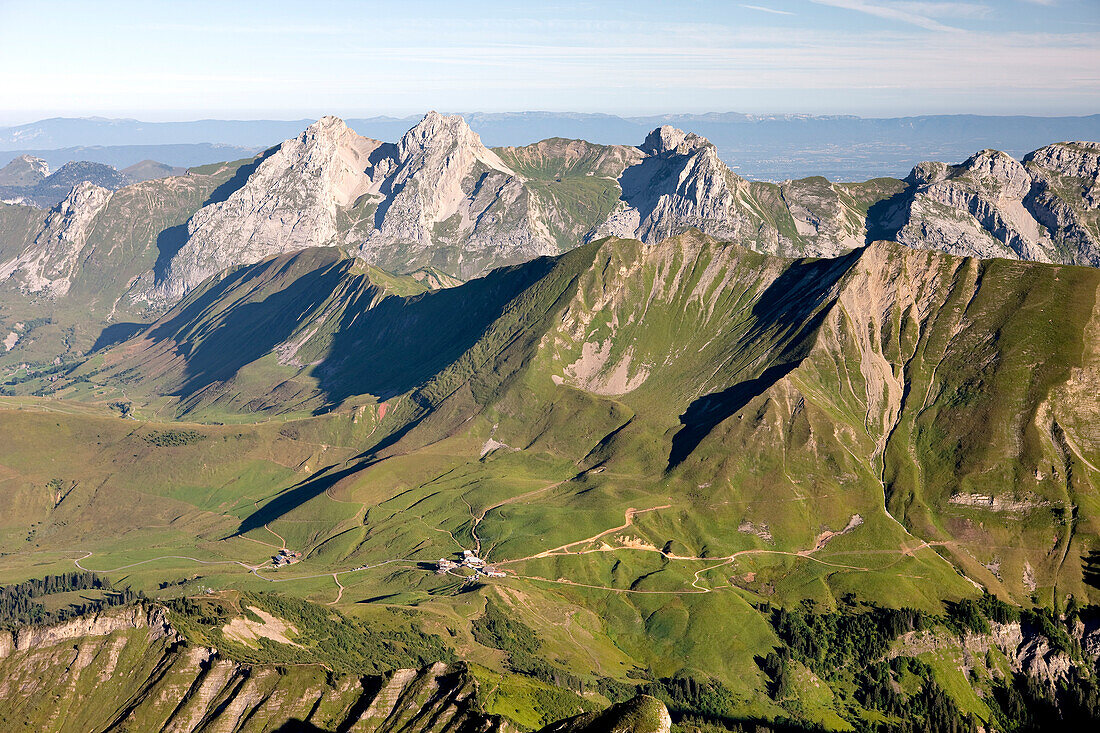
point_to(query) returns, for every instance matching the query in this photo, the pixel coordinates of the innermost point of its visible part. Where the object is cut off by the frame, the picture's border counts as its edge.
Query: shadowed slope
(306, 331)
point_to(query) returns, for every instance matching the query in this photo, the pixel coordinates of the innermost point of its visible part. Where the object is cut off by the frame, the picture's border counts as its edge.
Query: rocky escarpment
(290, 201)
(449, 190)
(26, 638)
(129, 670)
(440, 199)
(679, 184)
(1043, 209)
(1025, 648)
(49, 263)
(1065, 198)
(437, 198)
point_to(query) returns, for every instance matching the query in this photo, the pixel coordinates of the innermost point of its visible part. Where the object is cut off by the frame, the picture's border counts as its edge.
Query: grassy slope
(768, 400)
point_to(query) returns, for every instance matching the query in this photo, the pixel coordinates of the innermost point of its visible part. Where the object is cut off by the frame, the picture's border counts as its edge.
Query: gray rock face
(449, 192)
(994, 206)
(1032, 654)
(48, 264)
(680, 183)
(291, 201)
(393, 204)
(439, 198)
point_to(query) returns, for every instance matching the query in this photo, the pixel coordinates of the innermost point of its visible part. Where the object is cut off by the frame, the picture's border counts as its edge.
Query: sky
(245, 60)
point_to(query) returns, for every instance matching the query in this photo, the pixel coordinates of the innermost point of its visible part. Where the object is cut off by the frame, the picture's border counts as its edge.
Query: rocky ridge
(440, 199)
(49, 263)
(390, 203)
(289, 202)
(1043, 209)
(145, 676)
(25, 170)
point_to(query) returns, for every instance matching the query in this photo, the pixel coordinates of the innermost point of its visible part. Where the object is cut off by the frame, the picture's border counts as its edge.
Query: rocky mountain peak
(1078, 159)
(993, 166)
(50, 262)
(927, 172)
(290, 201)
(668, 139)
(85, 195)
(35, 163)
(25, 170)
(445, 139)
(332, 151)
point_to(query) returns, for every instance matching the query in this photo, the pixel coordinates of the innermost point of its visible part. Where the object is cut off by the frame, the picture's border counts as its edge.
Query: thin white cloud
(762, 9)
(969, 11)
(889, 12)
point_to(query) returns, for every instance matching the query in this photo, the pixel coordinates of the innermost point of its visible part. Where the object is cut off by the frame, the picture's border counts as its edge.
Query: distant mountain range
(765, 147)
(28, 180)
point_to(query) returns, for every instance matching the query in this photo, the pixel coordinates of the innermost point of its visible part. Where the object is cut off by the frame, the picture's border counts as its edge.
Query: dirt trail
(339, 593)
(821, 541)
(269, 529)
(564, 549)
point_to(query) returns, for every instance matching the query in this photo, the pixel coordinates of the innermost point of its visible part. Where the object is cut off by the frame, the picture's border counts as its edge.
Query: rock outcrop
(440, 199)
(1043, 209)
(26, 638)
(146, 677)
(452, 203)
(437, 198)
(290, 201)
(680, 184)
(48, 264)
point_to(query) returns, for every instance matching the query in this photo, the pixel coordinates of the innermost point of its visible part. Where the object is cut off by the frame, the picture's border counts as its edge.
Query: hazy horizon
(467, 113)
(868, 58)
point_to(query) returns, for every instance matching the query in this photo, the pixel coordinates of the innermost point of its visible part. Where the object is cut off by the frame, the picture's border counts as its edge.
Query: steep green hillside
(575, 182)
(658, 446)
(296, 334)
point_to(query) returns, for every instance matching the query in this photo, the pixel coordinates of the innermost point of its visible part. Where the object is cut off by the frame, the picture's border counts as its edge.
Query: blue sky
(186, 60)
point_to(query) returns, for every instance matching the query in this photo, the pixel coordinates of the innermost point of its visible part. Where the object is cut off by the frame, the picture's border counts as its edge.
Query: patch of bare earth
(249, 632)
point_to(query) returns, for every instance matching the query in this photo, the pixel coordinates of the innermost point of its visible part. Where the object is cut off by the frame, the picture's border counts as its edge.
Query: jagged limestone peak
(290, 201)
(1079, 159)
(49, 263)
(669, 139)
(928, 171)
(1000, 169)
(448, 136)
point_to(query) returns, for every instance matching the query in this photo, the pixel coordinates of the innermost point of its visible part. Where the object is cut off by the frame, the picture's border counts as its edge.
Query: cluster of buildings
(469, 560)
(285, 557)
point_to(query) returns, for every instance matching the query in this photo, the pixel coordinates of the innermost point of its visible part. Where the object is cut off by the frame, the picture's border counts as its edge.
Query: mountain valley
(727, 454)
